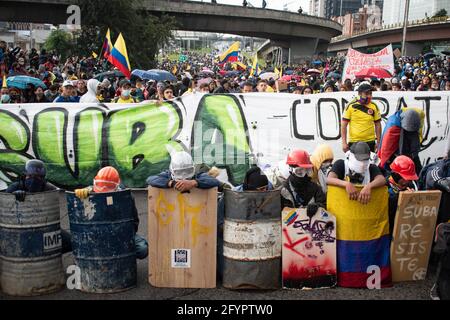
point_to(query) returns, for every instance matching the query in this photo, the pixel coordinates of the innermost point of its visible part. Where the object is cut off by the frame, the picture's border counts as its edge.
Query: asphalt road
(419, 290)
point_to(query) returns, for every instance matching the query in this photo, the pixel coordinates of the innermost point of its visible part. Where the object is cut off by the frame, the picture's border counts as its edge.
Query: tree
(440, 13)
(61, 42)
(143, 33)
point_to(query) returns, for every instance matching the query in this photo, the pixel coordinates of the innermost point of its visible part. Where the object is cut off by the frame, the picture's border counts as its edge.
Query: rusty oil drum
(102, 229)
(252, 240)
(30, 245)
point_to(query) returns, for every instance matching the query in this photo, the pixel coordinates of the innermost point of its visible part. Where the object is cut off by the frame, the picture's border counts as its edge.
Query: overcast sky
(292, 5)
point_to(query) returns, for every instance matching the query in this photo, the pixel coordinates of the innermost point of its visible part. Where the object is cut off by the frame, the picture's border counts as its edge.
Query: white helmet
(181, 166)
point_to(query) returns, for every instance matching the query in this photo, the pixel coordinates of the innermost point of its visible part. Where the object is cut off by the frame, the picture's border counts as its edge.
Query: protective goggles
(301, 172)
(183, 174)
(105, 186)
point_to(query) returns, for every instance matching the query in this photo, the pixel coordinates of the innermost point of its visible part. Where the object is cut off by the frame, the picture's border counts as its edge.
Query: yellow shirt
(129, 100)
(361, 124)
(270, 89)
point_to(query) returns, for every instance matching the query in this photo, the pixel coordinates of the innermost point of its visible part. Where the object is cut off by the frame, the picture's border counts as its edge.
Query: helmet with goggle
(106, 180)
(181, 166)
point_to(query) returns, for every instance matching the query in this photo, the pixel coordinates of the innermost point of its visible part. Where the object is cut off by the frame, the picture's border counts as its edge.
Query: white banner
(75, 140)
(357, 61)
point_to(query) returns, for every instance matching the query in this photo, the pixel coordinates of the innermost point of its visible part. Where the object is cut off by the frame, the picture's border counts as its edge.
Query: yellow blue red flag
(119, 56)
(232, 54)
(107, 45)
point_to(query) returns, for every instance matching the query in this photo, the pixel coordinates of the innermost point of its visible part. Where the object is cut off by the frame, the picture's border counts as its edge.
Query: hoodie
(321, 153)
(91, 95)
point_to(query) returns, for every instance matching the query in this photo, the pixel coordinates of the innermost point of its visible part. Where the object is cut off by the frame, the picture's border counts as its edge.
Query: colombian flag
(231, 55)
(119, 57)
(363, 238)
(107, 45)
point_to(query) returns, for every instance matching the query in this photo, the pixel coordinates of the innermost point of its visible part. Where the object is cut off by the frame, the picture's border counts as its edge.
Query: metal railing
(412, 23)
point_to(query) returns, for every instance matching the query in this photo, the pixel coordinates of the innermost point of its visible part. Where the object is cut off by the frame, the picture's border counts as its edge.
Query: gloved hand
(311, 209)
(82, 193)
(443, 184)
(20, 195)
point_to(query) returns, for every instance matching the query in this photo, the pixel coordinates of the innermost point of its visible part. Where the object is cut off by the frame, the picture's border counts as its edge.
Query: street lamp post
(405, 25)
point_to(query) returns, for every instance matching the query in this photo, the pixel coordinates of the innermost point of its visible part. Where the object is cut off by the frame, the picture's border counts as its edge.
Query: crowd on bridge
(88, 79)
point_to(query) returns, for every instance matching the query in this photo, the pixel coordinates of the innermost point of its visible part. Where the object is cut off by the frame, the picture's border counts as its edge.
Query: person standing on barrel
(108, 180)
(34, 180)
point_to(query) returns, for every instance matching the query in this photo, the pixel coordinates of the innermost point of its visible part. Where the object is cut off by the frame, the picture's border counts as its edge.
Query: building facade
(394, 10)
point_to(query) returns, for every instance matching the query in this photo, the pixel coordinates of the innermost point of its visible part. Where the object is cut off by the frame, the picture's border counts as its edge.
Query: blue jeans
(141, 247)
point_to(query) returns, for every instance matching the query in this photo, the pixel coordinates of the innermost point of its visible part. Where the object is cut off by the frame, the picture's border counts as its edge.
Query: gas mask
(34, 184)
(301, 172)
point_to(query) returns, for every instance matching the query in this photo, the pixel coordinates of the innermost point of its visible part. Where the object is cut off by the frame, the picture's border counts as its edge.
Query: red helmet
(107, 180)
(405, 167)
(299, 158)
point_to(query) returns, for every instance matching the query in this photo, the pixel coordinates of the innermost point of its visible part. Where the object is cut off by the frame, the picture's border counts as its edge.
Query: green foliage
(61, 42)
(143, 33)
(440, 13)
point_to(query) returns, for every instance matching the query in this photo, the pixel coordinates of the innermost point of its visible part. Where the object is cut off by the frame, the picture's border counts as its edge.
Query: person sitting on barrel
(402, 177)
(182, 175)
(356, 170)
(34, 181)
(299, 190)
(108, 180)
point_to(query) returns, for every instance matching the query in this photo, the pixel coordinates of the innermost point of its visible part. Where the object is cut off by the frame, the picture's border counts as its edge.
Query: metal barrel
(252, 240)
(102, 229)
(30, 245)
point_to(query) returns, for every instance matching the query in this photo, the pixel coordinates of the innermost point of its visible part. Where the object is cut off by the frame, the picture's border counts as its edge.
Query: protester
(91, 95)
(108, 180)
(356, 170)
(322, 160)
(67, 94)
(363, 119)
(125, 93)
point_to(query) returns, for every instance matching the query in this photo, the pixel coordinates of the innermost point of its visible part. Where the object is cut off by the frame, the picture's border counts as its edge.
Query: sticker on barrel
(309, 249)
(181, 258)
(52, 241)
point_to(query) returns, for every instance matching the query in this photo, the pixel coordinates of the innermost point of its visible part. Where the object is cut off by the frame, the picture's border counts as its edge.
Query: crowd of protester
(74, 80)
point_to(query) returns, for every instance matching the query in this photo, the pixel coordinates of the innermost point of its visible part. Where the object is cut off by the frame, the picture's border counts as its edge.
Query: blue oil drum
(102, 229)
(30, 245)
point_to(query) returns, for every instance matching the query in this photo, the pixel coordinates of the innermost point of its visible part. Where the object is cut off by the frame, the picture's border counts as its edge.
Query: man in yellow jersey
(363, 118)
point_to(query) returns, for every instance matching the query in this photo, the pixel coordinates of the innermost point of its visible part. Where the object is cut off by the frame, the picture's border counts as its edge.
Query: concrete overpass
(303, 34)
(417, 33)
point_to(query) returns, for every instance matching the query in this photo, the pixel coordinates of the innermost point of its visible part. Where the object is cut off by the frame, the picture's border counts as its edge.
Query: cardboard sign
(182, 235)
(414, 226)
(309, 249)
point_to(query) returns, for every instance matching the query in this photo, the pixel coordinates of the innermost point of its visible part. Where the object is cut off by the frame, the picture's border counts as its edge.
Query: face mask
(5, 98)
(126, 93)
(366, 100)
(326, 167)
(357, 166)
(355, 177)
(183, 174)
(34, 184)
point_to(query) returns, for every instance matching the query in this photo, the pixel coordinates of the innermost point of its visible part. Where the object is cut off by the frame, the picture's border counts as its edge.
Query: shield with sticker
(309, 249)
(102, 228)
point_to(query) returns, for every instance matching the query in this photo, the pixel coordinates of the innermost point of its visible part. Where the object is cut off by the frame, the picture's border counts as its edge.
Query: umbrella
(162, 75)
(231, 74)
(317, 62)
(429, 55)
(268, 75)
(110, 74)
(206, 70)
(447, 52)
(289, 72)
(313, 71)
(21, 82)
(334, 75)
(374, 73)
(206, 74)
(202, 81)
(142, 74)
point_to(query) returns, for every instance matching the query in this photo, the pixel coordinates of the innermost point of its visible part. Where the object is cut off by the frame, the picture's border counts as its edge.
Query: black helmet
(35, 168)
(365, 87)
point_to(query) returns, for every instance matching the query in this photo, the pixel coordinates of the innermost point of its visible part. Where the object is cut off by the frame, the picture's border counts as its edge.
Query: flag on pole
(94, 55)
(119, 56)
(107, 45)
(232, 54)
(174, 69)
(255, 67)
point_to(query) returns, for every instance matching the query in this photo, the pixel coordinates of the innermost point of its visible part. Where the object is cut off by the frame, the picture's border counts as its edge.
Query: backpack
(442, 248)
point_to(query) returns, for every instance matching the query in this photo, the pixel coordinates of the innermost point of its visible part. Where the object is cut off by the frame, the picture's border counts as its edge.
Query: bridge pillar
(303, 49)
(413, 48)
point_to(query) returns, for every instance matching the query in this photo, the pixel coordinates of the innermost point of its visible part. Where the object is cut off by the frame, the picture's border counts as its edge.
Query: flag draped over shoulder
(119, 57)
(107, 45)
(363, 238)
(232, 54)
